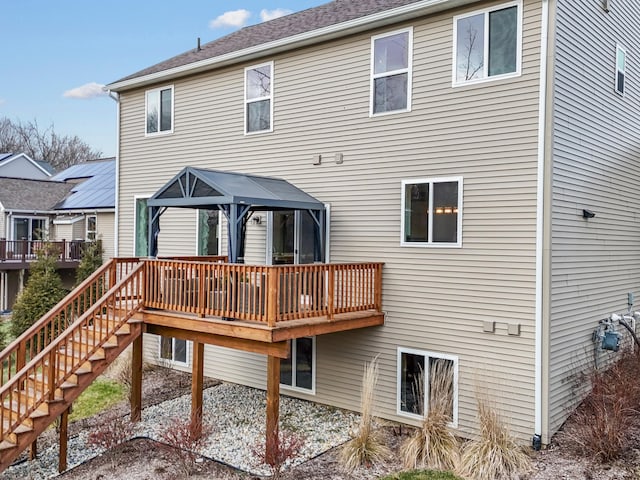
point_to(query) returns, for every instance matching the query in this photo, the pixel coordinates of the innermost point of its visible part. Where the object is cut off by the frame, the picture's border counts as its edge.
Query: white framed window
(487, 44)
(621, 65)
(141, 227)
(427, 380)
(298, 372)
(91, 228)
(432, 212)
(391, 65)
(159, 111)
(174, 350)
(258, 98)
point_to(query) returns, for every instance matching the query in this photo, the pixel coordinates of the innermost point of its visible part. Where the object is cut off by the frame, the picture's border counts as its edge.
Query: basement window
(426, 381)
(173, 350)
(298, 372)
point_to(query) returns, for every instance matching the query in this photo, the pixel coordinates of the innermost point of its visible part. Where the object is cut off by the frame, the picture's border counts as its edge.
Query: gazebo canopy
(236, 195)
(200, 188)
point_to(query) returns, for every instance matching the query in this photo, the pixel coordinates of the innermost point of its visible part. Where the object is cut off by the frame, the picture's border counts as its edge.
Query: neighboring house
(88, 212)
(20, 165)
(75, 206)
(466, 144)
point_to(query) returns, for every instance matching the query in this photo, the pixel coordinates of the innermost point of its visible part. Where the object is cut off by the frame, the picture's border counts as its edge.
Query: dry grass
(495, 453)
(602, 427)
(368, 444)
(433, 445)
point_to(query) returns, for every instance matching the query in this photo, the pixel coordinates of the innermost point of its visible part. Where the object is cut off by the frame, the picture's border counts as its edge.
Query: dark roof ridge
(304, 21)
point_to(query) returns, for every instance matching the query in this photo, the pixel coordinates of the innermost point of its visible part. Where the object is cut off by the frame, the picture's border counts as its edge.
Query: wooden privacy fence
(261, 293)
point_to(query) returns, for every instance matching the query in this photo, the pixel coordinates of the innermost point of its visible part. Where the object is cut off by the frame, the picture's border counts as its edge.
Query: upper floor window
(432, 212)
(92, 224)
(487, 43)
(258, 81)
(621, 60)
(391, 59)
(159, 110)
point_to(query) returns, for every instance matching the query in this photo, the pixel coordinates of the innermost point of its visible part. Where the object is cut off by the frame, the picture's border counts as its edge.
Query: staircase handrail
(47, 324)
(38, 364)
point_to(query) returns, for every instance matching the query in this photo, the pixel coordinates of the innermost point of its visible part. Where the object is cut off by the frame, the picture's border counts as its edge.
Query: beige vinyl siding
(62, 232)
(595, 166)
(435, 299)
(78, 229)
(105, 232)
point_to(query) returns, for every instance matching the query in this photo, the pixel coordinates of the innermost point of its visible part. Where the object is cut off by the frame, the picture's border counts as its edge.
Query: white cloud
(2, 101)
(88, 90)
(234, 18)
(267, 15)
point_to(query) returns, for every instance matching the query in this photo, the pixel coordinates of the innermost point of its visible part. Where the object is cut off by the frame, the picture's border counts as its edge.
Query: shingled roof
(31, 195)
(313, 19)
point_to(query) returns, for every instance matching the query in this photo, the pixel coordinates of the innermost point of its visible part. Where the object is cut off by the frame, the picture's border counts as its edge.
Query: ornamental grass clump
(495, 453)
(367, 445)
(433, 445)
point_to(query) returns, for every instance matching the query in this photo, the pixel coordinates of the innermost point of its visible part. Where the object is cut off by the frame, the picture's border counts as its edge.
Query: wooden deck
(20, 254)
(254, 308)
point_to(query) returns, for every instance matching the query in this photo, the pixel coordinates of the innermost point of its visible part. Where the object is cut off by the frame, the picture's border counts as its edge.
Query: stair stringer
(70, 394)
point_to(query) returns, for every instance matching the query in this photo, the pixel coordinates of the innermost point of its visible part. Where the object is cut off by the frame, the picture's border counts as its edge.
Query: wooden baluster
(273, 284)
(330, 290)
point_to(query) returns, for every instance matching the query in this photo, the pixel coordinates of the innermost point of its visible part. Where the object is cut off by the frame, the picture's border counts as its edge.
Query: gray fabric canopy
(236, 195)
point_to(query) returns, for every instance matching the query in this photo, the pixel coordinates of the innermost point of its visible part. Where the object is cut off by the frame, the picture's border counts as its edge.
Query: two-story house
(70, 208)
(485, 150)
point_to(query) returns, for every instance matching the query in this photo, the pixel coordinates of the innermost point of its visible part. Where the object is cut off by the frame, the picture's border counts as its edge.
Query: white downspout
(542, 121)
(116, 223)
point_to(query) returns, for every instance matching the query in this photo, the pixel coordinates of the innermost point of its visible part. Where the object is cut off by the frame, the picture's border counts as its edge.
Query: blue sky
(53, 53)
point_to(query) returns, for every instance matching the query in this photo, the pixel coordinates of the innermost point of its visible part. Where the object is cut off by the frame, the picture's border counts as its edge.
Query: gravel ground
(236, 415)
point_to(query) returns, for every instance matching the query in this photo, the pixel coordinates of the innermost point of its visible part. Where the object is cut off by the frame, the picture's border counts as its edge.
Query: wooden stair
(60, 369)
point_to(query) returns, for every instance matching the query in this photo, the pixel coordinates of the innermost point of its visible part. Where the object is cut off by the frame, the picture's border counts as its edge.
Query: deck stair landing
(48, 367)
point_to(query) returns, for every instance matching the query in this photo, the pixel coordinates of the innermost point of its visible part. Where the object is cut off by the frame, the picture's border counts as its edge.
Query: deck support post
(33, 450)
(64, 423)
(273, 407)
(136, 380)
(197, 377)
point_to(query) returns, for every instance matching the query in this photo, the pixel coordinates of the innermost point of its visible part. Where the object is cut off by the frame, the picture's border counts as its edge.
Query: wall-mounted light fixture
(257, 220)
(587, 213)
(605, 5)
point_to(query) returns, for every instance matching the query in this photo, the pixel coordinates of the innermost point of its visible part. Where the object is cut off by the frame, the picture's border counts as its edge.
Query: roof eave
(330, 32)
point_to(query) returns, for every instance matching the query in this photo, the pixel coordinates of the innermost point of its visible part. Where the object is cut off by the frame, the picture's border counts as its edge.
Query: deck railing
(267, 294)
(27, 250)
(45, 373)
(70, 308)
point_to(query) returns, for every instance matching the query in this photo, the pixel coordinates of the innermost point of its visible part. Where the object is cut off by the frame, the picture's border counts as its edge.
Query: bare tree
(60, 151)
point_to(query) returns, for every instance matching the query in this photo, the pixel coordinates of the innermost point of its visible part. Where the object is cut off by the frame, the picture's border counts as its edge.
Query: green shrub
(90, 261)
(41, 293)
